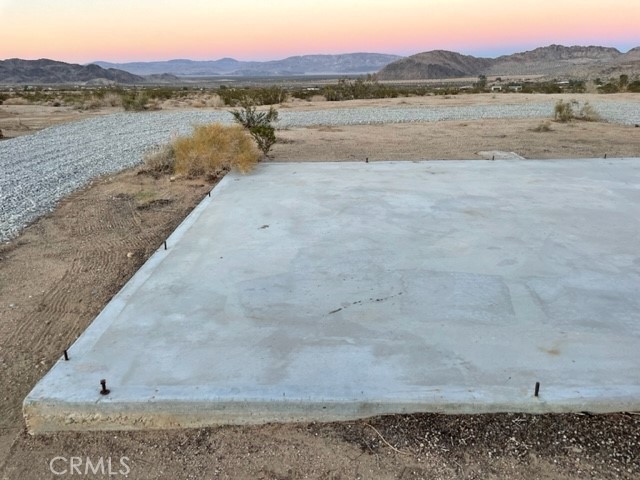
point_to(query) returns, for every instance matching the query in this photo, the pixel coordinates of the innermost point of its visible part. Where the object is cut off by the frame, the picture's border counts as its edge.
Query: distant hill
(435, 64)
(632, 55)
(349, 63)
(554, 60)
(44, 71)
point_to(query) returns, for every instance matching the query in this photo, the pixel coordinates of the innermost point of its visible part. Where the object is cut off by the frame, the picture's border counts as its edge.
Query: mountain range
(554, 60)
(349, 63)
(44, 71)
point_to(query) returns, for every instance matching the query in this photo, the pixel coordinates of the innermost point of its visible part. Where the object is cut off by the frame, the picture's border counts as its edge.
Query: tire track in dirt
(94, 256)
(65, 267)
(101, 256)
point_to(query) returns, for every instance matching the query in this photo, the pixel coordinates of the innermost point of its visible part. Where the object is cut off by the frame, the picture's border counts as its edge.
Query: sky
(82, 31)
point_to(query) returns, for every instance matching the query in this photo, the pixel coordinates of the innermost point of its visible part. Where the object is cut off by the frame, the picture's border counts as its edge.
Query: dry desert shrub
(154, 104)
(90, 103)
(543, 127)
(568, 111)
(563, 111)
(215, 101)
(160, 160)
(94, 102)
(589, 114)
(198, 103)
(112, 100)
(206, 101)
(213, 149)
(16, 101)
(173, 103)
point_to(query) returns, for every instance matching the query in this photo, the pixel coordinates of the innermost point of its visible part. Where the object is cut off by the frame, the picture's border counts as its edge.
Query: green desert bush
(634, 86)
(213, 149)
(259, 125)
(135, 102)
(610, 87)
(367, 88)
(248, 116)
(623, 81)
(234, 97)
(264, 136)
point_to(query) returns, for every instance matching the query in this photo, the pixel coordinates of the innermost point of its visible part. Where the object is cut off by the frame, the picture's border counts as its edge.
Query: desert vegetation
(270, 95)
(568, 111)
(211, 150)
(366, 87)
(622, 84)
(258, 124)
(544, 126)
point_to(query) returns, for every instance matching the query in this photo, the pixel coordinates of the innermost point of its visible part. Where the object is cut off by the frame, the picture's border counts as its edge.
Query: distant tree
(610, 87)
(623, 81)
(482, 82)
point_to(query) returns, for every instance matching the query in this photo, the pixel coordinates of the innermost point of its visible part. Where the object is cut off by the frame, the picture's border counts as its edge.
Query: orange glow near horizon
(118, 30)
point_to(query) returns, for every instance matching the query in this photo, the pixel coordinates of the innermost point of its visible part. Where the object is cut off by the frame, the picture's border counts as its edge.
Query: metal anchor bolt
(104, 390)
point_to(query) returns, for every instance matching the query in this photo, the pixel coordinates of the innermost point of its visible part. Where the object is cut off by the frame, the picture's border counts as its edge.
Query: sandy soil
(65, 267)
(17, 120)
(456, 140)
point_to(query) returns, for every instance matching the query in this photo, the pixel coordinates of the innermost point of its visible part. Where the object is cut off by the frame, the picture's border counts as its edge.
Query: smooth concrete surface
(324, 291)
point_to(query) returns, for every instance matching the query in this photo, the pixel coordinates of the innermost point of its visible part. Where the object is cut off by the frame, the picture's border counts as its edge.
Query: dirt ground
(455, 140)
(61, 271)
(17, 120)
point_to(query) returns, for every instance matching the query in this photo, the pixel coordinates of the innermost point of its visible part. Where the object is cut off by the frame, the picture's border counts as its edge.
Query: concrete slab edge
(45, 417)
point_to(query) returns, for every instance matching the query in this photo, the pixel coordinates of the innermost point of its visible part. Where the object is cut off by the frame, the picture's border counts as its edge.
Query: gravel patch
(40, 169)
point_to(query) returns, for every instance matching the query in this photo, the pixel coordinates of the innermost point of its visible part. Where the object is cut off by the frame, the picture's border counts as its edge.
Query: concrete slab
(331, 291)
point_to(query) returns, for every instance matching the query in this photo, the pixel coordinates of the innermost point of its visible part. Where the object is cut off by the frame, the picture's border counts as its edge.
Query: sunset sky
(128, 30)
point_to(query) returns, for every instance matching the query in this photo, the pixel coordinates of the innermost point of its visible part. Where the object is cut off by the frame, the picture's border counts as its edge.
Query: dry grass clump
(213, 149)
(198, 103)
(161, 159)
(91, 103)
(112, 100)
(563, 111)
(206, 101)
(215, 101)
(95, 102)
(589, 114)
(568, 111)
(543, 127)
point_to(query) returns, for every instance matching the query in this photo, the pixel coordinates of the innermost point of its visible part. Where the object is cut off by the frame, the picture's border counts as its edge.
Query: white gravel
(37, 170)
